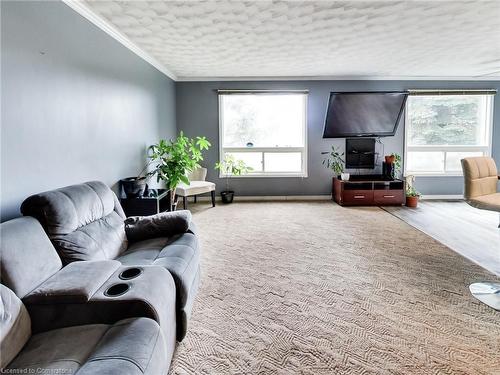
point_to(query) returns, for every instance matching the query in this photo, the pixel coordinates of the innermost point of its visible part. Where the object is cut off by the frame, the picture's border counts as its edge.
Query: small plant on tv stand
(335, 162)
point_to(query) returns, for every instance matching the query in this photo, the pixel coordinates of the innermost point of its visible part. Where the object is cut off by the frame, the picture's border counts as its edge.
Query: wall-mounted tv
(363, 114)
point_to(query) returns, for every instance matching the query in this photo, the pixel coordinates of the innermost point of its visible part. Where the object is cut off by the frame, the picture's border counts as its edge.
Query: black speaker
(388, 170)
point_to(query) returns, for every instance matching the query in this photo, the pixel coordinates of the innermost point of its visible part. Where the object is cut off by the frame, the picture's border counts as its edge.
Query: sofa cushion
(131, 346)
(27, 257)
(85, 221)
(15, 325)
(164, 224)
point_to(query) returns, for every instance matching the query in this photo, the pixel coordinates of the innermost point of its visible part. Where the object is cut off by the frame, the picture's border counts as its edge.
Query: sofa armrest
(75, 283)
(164, 224)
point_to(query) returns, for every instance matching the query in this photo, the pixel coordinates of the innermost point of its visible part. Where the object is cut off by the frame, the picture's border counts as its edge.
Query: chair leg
(195, 199)
(184, 202)
(212, 193)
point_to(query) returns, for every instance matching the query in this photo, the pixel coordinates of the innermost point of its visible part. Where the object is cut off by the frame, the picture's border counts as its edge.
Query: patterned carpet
(314, 288)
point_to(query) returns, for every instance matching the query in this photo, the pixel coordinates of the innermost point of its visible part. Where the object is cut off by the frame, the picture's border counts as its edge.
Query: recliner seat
(86, 222)
(131, 346)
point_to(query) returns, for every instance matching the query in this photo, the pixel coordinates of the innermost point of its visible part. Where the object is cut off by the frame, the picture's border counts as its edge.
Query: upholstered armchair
(197, 186)
(481, 178)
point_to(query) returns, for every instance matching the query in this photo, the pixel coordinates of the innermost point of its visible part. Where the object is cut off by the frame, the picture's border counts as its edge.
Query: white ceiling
(341, 39)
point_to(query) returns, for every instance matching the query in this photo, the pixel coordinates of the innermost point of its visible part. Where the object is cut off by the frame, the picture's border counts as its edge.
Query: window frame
(263, 150)
(486, 149)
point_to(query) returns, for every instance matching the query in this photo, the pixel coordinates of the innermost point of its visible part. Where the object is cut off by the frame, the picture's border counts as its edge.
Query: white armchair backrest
(199, 174)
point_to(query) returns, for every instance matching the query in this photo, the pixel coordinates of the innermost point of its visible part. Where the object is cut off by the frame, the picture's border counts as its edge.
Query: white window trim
(485, 148)
(263, 150)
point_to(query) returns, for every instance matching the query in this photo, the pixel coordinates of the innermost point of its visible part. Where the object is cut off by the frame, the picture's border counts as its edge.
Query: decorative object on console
(231, 167)
(335, 162)
(345, 176)
(397, 165)
(391, 168)
(412, 195)
(134, 187)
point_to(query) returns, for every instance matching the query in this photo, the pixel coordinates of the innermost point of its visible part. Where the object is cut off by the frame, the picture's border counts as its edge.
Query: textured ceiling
(208, 39)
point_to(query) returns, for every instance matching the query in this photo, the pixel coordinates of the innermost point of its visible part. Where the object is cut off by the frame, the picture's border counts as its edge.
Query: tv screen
(363, 114)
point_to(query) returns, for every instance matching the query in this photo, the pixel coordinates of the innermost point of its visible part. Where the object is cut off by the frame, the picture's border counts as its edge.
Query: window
(265, 129)
(444, 127)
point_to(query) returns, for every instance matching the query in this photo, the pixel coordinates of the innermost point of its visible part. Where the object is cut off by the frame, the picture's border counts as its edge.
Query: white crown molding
(108, 28)
(340, 78)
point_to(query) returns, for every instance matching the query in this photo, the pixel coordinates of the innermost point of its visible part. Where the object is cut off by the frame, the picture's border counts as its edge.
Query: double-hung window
(265, 129)
(443, 127)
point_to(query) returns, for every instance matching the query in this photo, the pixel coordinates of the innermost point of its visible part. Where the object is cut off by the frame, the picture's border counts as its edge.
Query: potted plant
(412, 195)
(134, 187)
(336, 163)
(231, 167)
(174, 159)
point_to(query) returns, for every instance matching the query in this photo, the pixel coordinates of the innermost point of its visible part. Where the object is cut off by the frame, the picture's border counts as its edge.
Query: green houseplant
(228, 167)
(412, 195)
(173, 159)
(335, 162)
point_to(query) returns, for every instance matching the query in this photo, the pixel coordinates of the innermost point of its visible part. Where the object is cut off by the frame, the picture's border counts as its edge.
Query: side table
(153, 202)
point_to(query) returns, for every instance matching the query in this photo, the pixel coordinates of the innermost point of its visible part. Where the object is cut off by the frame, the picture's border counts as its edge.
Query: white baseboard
(442, 197)
(268, 198)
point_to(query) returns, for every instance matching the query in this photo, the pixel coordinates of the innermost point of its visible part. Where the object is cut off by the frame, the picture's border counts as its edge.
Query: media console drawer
(361, 197)
(384, 197)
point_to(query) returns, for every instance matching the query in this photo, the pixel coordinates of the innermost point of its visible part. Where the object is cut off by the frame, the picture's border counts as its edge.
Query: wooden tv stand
(368, 190)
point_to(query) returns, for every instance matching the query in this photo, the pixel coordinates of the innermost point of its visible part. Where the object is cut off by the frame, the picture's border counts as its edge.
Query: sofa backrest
(27, 258)
(15, 326)
(480, 176)
(84, 221)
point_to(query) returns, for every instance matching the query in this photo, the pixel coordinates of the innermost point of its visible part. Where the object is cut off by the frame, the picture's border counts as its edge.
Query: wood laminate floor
(470, 232)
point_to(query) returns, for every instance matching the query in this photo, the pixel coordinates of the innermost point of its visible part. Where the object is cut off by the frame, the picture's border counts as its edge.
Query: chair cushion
(194, 188)
(489, 202)
(131, 346)
(27, 257)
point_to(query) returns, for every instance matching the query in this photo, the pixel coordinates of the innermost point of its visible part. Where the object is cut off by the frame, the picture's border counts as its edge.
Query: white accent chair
(197, 186)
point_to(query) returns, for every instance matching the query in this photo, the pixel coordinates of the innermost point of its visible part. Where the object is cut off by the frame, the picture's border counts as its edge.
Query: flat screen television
(363, 114)
(360, 153)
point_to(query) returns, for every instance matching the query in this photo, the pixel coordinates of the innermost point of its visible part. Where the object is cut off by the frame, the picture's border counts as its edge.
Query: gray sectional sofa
(130, 346)
(99, 272)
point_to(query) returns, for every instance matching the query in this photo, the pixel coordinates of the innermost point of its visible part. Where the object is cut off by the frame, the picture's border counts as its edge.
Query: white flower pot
(345, 176)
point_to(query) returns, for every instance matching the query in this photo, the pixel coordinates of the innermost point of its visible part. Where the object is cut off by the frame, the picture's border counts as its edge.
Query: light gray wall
(197, 114)
(76, 104)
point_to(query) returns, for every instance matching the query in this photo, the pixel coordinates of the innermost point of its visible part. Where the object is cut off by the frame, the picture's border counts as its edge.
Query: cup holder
(117, 290)
(130, 273)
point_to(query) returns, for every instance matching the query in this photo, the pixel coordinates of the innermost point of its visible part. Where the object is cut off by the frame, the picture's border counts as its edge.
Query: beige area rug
(314, 288)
